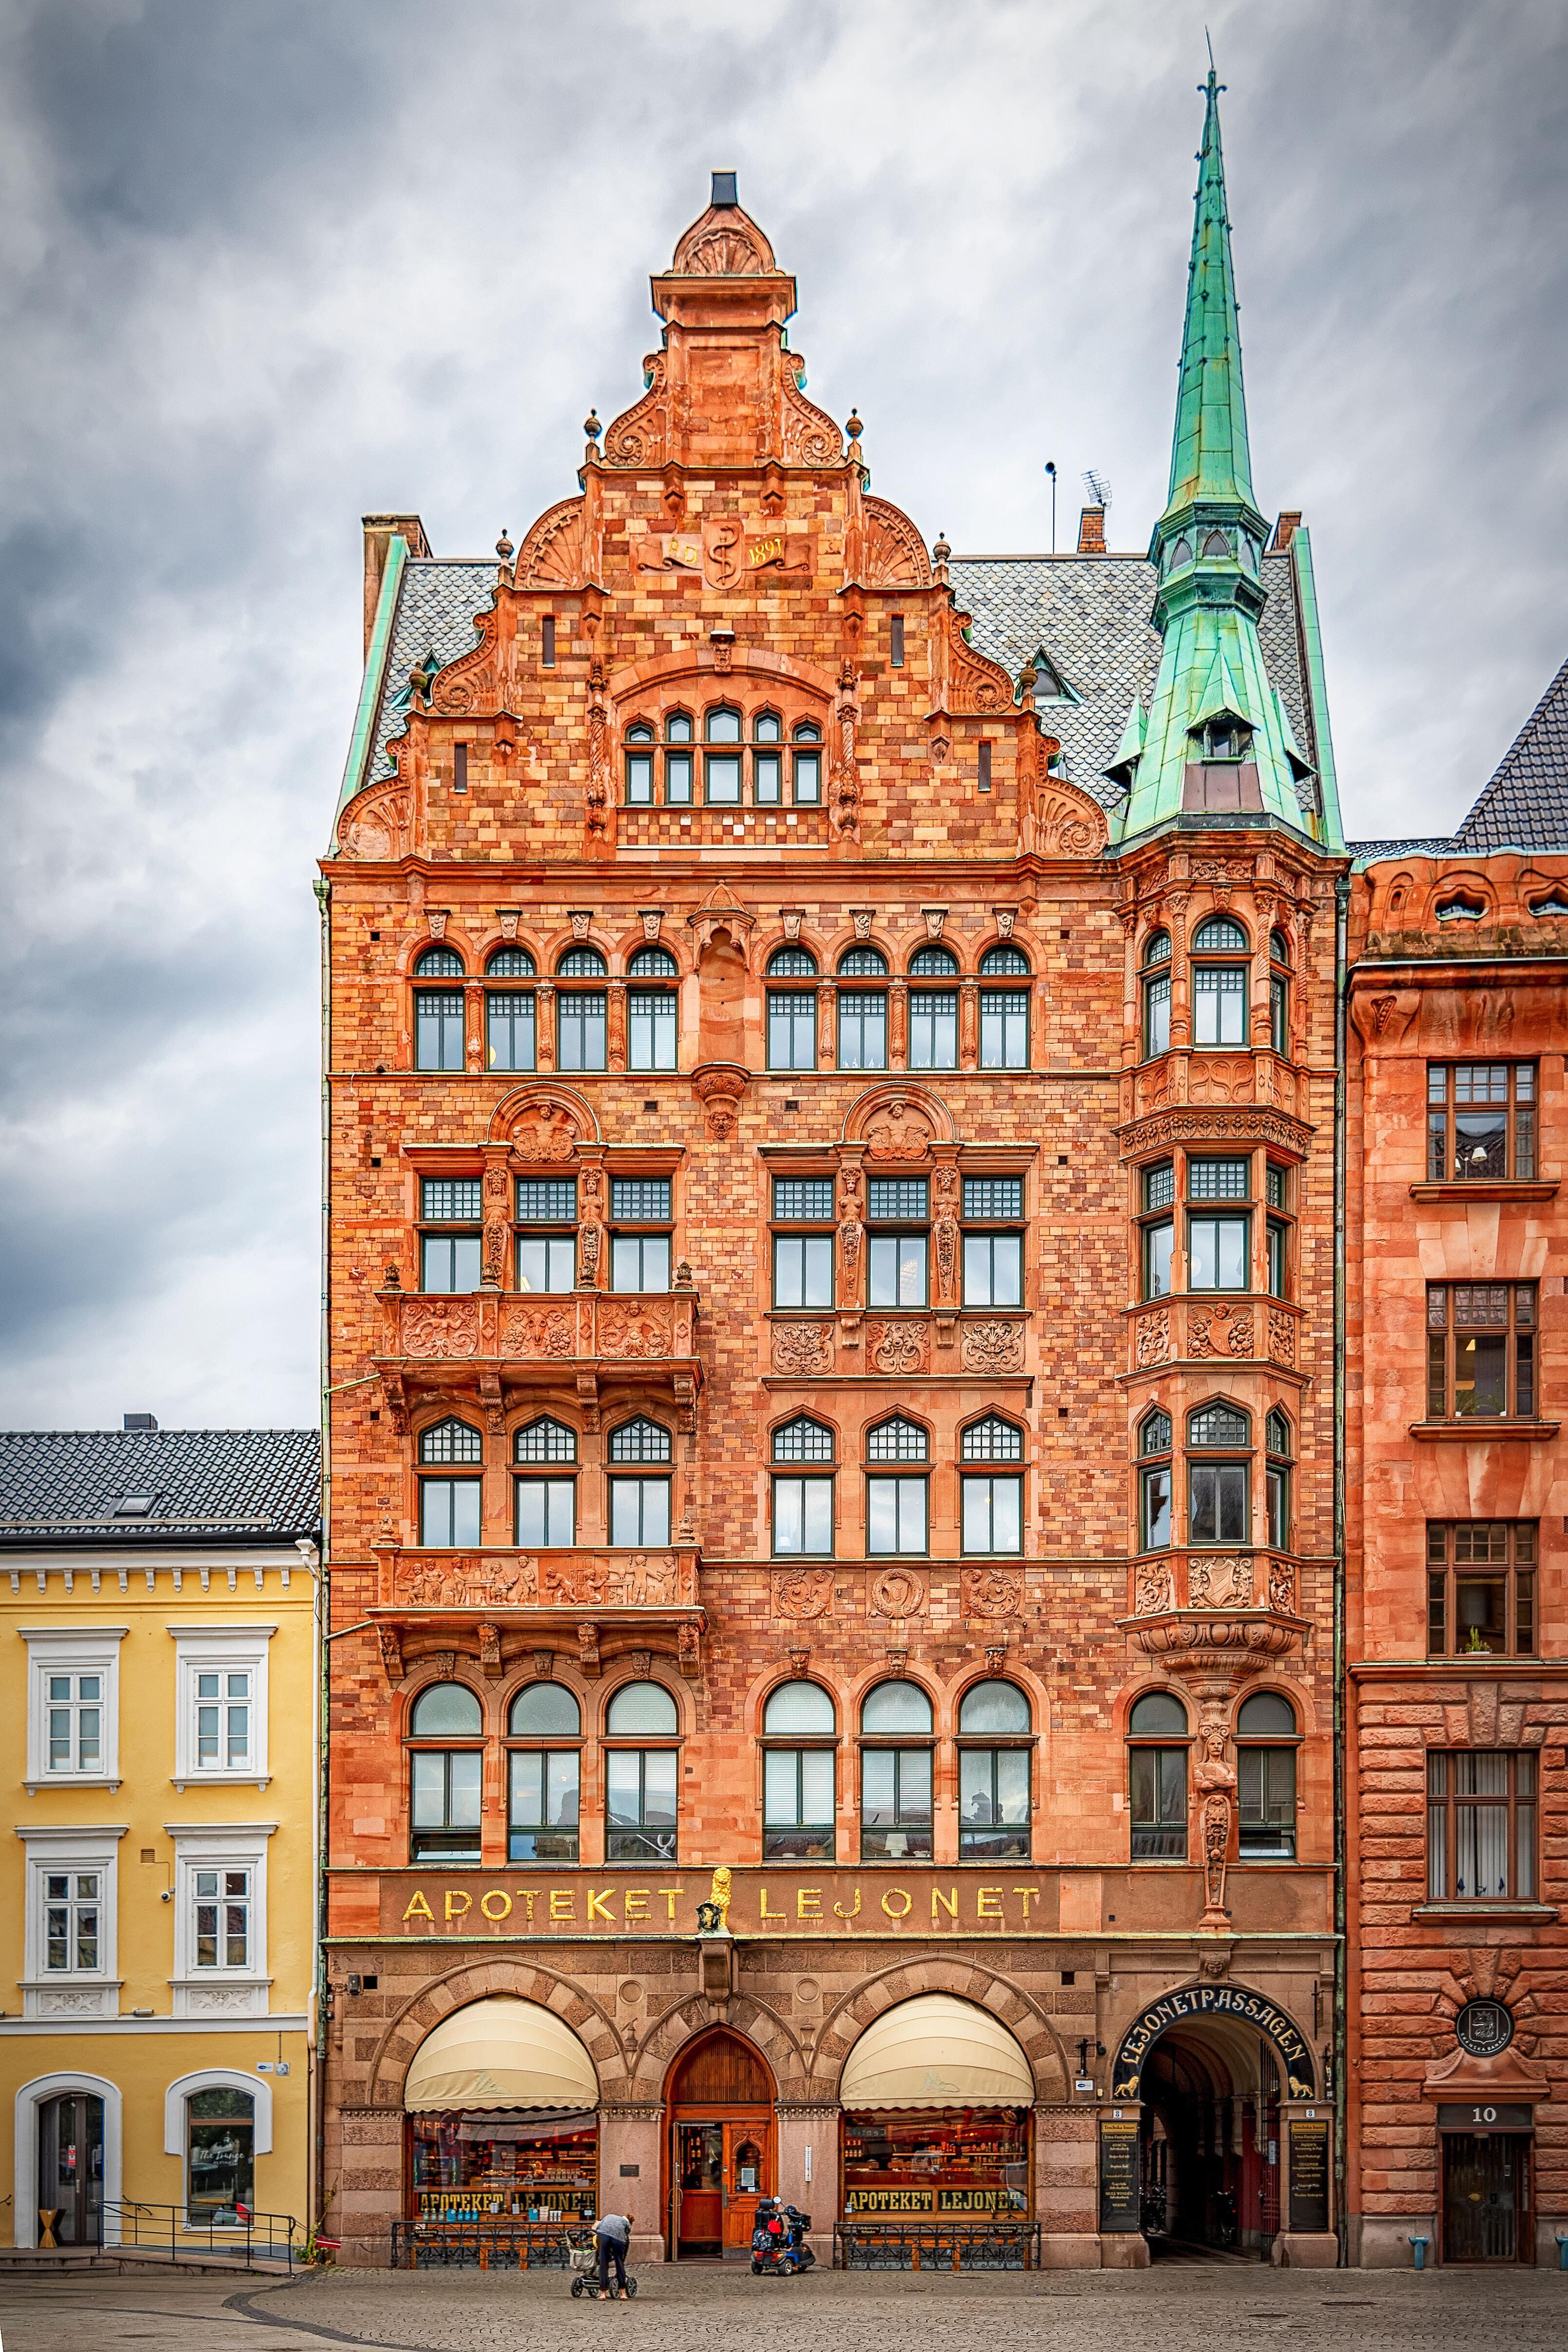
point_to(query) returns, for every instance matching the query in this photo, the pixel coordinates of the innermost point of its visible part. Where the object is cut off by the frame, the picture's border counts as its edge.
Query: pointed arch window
(1154, 1466)
(451, 1441)
(546, 1505)
(1218, 1491)
(807, 764)
(449, 1508)
(639, 1507)
(1279, 1451)
(722, 768)
(803, 1498)
(896, 1504)
(639, 759)
(1215, 544)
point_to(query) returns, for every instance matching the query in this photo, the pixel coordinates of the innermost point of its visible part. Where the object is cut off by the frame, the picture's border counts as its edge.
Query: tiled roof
(1090, 614)
(205, 1486)
(436, 609)
(1525, 806)
(1375, 853)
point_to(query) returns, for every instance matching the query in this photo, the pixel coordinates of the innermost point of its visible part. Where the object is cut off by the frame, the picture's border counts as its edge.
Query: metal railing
(486, 2241)
(909, 2245)
(171, 2229)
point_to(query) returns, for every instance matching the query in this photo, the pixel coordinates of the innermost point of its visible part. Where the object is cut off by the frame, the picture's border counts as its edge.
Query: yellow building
(158, 1736)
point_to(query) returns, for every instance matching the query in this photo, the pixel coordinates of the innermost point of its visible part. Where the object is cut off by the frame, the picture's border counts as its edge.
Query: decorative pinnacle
(592, 426)
(504, 546)
(853, 425)
(940, 550)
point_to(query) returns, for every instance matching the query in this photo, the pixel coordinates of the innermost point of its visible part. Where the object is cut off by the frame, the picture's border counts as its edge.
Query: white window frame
(215, 2078)
(72, 1992)
(91, 1650)
(219, 1991)
(208, 1649)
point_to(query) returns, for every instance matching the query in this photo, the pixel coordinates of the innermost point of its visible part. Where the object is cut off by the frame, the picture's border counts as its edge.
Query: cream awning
(935, 2052)
(501, 2053)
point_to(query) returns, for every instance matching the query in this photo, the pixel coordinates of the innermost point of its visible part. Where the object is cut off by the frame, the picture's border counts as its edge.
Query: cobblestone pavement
(1179, 2308)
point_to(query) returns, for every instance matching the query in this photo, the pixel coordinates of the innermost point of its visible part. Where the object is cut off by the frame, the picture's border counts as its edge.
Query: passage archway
(1216, 2070)
(722, 2146)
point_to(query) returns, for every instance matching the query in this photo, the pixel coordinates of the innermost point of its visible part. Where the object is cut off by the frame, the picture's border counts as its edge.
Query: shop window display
(947, 2161)
(534, 2168)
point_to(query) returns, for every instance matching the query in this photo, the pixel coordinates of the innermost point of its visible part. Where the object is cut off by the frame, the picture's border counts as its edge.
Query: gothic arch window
(1155, 1473)
(451, 1441)
(640, 1506)
(898, 1499)
(992, 1439)
(722, 724)
(803, 1488)
(1218, 1491)
(640, 1440)
(545, 1497)
(806, 760)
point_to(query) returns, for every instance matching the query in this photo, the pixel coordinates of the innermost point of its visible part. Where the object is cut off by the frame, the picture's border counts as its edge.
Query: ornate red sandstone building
(1457, 1699)
(831, 1081)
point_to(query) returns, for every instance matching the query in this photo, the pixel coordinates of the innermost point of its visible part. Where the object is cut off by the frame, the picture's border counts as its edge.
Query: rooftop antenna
(1098, 487)
(1050, 470)
(1208, 44)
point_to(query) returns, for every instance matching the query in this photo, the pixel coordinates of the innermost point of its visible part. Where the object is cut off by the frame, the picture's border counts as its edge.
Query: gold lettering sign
(763, 1901)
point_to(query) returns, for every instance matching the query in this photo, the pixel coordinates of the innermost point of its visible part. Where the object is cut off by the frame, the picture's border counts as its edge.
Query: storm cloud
(265, 266)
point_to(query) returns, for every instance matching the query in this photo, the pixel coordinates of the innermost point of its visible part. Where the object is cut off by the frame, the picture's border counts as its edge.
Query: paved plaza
(1179, 2308)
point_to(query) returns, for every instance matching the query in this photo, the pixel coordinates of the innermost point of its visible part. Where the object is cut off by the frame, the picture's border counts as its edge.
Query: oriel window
(1219, 991)
(1156, 986)
(1155, 1481)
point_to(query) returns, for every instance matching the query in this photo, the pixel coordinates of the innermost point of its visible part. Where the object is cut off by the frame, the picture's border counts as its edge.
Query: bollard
(1419, 2249)
(1562, 2250)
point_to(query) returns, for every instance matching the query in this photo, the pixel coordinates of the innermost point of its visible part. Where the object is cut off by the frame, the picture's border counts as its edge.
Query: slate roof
(1090, 614)
(1525, 806)
(435, 608)
(206, 1486)
(1375, 853)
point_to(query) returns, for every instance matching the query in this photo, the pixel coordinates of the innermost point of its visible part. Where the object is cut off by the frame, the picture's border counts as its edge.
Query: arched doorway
(70, 2170)
(1213, 2067)
(721, 2146)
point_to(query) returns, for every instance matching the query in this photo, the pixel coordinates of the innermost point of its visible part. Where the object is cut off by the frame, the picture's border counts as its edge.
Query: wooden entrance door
(70, 2170)
(721, 2147)
(1486, 2198)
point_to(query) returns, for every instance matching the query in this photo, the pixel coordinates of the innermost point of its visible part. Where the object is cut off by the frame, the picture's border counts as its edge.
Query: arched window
(994, 1773)
(804, 1501)
(1215, 544)
(510, 963)
(639, 733)
(791, 1011)
(722, 768)
(723, 724)
(545, 1439)
(896, 1505)
(1004, 1012)
(1277, 1476)
(678, 761)
(1156, 995)
(1157, 1777)
(862, 1011)
(897, 1440)
(932, 962)
(1266, 1742)
(651, 1015)
(220, 2151)
(992, 1439)
(640, 1507)
(1219, 1493)
(1158, 949)
(543, 1780)
(804, 1440)
(444, 1783)
(1220, 991)
(545, 1507)
(1155, 1481)
(1279, 946)
(678, 727)
(438, 1015)
(1280, 991)
(510, 1037)
(652, 963)
(767, 728)
(640, 1441)
(895, 1775)
(791, 963)
(580, 1033)
(640, 1782)
(451, 1441)
(807, 764)
(581, 963)
(798, 1778)
(1181, 553)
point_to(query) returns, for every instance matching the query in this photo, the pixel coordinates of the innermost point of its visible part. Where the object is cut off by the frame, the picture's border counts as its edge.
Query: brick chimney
(1092, 531)
(379, 531)
(1285, 530)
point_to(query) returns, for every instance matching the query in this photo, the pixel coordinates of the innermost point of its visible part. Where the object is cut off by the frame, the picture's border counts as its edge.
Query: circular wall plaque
(1483, 2027)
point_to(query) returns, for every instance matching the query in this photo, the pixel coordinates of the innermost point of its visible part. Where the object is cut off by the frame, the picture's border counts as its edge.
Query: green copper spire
(1217, 741)
(1209, 457)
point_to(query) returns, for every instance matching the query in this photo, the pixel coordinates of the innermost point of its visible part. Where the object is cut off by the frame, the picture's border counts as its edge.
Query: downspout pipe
(1342, 987)
(323, 891)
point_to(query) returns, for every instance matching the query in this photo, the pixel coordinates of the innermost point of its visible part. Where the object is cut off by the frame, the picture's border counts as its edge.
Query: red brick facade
(1455, 1556)
(725, 555)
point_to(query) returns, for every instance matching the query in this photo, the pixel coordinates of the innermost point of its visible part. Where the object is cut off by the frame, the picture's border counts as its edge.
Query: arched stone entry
(721, 2146)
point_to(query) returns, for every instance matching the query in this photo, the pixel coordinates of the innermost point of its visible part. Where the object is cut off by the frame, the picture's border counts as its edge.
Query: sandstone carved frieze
(1219, 1581)
(898, 1346)
(439, 1328)
(1220, 1079)
(1220, 1330)
(1192, 1123)
(1283, 1336)
(1152, 1339)
(584, 1324)
(992, 1592)
(803, 1347)
(892, 552)
(497, 1582)
(802, 1592)
(896, 1592)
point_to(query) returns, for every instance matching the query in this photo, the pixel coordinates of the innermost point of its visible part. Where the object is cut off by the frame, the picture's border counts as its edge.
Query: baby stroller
(582, 2261)
(779, 2247)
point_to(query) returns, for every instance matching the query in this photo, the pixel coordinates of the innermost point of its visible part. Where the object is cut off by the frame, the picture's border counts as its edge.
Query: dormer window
(1216, 544)
(1181, 553)
(1222, 737)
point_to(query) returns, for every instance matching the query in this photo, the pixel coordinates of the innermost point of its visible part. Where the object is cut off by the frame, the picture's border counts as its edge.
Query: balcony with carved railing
(1207, 1329)
(542, 1337)
(987, 1342)
(1245, 1602)
(585, 1592)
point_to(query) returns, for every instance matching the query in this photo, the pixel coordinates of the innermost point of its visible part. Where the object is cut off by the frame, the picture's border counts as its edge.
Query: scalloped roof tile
(206, 1486)
(435, 607)
(1525, 806)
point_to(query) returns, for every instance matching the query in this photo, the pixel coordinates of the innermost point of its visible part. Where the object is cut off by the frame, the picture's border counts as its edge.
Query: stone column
(813, 2128)
(629, 2173)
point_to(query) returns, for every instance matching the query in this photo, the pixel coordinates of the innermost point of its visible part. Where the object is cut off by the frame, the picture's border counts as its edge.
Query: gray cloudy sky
(268, 264)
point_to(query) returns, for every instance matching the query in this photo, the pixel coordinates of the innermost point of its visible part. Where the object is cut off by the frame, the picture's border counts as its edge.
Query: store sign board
(934, 2200)
(1485, 2116)
(1223, 2000)
(1119, 2200)
(1308, 2173)
(571, 1905)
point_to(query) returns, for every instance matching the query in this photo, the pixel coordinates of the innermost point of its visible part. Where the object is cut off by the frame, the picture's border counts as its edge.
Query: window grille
(640, 1197)
(652, 963)
(547, 1200)
(1219, 1180)
(803, 1198)
(1159, 1185)
(1004, 962)
(582, 963)
(1217, 1425)
(791, 963)
(897, 1196)
(451, 1441)
(896, 1441)
(804, 1440)
(640, 1441)
(992, 1439)
(863, 963)
(545, 1440)
(1155, 1432)
(453, 1197)
(510, 963)
(933, 963)
(993, 1196)
(1158, 950)
(1221, 935)
(439, 963)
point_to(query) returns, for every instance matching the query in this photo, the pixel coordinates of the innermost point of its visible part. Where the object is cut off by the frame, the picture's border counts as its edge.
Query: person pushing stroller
(612, 2233)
